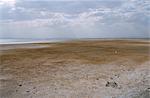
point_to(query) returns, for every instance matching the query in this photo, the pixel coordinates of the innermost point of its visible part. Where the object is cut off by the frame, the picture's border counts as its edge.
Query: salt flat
(76, 69)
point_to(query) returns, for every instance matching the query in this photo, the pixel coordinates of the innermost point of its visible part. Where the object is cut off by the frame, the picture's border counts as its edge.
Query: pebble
(111, 84)
(20, 84)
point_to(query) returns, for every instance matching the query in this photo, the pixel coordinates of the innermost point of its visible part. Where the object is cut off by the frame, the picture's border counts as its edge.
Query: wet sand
(76, 69)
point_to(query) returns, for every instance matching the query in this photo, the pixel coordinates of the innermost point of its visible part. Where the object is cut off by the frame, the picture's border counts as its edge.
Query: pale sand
(77, 69)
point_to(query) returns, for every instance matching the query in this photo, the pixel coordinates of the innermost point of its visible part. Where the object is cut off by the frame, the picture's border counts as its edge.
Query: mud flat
(76, 69)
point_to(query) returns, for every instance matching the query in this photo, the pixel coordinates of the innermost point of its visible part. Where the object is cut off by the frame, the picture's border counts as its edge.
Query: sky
(74, 19)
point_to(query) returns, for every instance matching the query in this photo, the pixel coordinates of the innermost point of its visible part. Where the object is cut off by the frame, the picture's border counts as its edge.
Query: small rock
(97, 78)
(27, 91)
(117, 76)
(148, 89)
(20, 84)
(111, 84)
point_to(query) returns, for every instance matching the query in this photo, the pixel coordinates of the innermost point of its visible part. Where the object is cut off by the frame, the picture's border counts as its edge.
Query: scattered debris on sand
(111, 84)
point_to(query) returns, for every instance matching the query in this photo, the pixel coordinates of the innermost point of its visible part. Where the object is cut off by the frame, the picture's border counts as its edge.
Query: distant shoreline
(49, 43)
(32, 41)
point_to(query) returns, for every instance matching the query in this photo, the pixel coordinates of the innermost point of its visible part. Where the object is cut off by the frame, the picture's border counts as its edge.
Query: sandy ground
(76, 69)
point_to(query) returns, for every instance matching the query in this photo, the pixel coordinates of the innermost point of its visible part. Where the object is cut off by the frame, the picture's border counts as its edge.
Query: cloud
(102, 20)
(10, 3)
(46, 18)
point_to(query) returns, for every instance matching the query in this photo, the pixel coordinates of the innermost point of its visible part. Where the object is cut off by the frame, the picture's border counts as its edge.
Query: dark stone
(111, 84)
(20, 84)
(117, 76)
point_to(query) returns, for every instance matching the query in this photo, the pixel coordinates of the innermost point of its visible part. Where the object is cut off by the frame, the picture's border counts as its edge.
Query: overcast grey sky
(74, 18)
